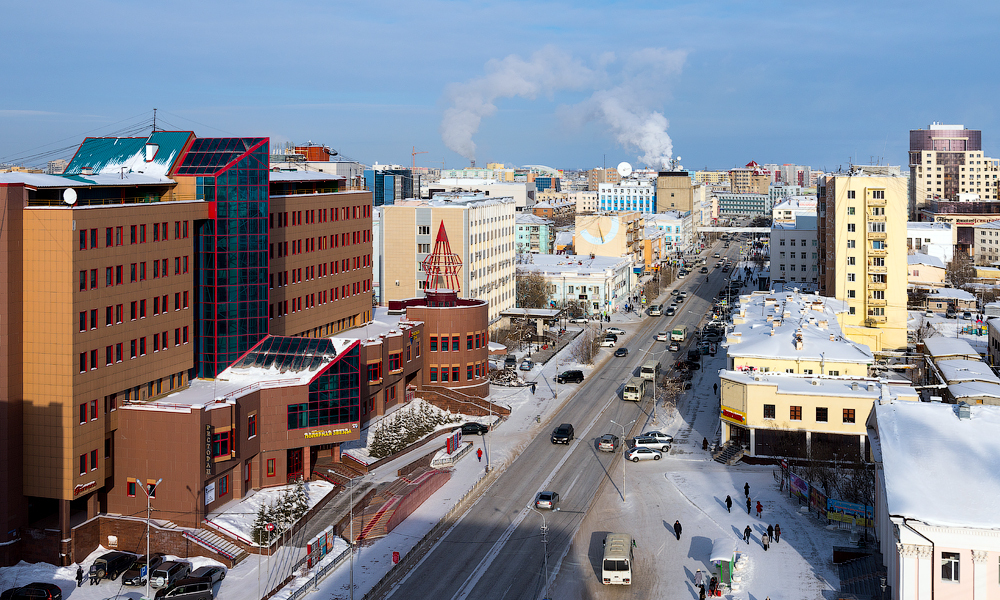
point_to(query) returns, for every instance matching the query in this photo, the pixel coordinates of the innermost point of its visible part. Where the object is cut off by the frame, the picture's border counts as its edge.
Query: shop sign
(326, 433)
(84, 487)
(209, 493)
(208, 449)
(733, 415)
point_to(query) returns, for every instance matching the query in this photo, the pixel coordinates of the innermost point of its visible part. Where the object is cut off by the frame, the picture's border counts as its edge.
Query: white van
(616, 568)
(655, 310)
(635, 389)
(650, 370)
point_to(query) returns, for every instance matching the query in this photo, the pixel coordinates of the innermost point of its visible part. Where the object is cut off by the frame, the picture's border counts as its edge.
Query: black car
(213, 573)
(621, 352)
(33, 591)
(563, 434)
(134, 575)
(571, 376)
(472, 429)
(112, 564)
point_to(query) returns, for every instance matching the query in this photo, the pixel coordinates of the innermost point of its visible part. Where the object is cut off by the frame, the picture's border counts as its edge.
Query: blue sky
(773, 81)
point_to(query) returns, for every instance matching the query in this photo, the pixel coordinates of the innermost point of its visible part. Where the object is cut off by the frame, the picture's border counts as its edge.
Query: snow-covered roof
(561, 264)
(383, 324)
(988, 272)
(154, 156)
(797, 203)
(990, 225)
(914, 225)
(564, 238)
(924, 259)
(768, 325)
(949, 346)
(530, 219)
(951, 294)
(963, 369)
(304, 176)
(939, 469)
(543, 205)
(810, 385)
(40, 180)
(974, 389)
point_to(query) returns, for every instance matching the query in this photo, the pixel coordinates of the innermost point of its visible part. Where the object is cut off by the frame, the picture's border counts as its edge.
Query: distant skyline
(554, 83)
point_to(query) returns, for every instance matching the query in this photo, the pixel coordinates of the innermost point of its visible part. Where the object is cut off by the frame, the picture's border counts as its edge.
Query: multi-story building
(987, 243)
(678, 229)
(751, 179)
(674, 191)
(150, 263)
(547, 182)
(602, 284)
(597, 176)
(554, 205)
(628, 195)
(390, 184)
(711, 177)
(535, 235)
(780, 193)
(586, 202)
(319, 159)
(793, 175)
(522, 192)
(962, 215)
(795, 254)
(793, 206)
(483, 232)
(862, 218)
(934, 238)
(742, 205)
(947, 160)
(614, 234)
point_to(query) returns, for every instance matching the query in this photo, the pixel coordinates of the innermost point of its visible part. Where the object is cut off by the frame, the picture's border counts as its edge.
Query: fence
(321, 573)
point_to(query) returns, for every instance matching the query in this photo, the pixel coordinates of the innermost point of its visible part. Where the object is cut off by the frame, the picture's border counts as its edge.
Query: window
(130, 488)
(851, 293)
(434, 374)
(434, 343)
(949, 566)
(834, 373)
(455, 374)
(851, 228)
(468, 372)
(850, 194)
(468, 342)
(444, 373)
(455, 341)
(270, 467)
(93, 455)
(220, 444)
(795, 413)
(394, 361)
(850, 261)
(375, 371)
(423, 248)
(851, 244)
(252, 426)
(821, 414)
(83, 413)
(224, 485)
(768, 411)
(848, 415)
(850, 210)
(83, 464)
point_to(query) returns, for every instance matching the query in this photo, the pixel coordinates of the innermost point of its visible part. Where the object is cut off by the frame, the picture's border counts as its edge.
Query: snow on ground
(943, 326)
(238, 517)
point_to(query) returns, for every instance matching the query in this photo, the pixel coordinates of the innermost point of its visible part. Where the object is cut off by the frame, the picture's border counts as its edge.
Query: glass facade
(231, 269)
(334, 396)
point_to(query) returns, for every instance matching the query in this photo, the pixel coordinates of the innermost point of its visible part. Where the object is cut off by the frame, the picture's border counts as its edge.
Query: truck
(679, 333)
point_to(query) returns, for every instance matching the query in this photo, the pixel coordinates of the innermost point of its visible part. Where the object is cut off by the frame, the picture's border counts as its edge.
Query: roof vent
(964, 412)
(833, 338)
(86, 171)
(814, 382)
(854, 386)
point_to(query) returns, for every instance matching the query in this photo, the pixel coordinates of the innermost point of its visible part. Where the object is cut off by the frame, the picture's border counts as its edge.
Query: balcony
(877, 286)
(874, 269)
(874, 302)
(877, 235)
(875, 201)
(878, 252)
(874, 319)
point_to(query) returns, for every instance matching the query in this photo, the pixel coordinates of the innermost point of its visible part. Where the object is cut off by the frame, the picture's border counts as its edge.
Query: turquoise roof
(111, 155)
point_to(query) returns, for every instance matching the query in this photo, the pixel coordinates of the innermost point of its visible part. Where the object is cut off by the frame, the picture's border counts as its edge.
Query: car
(608, 442)
(615, 330)
(951, 314)
(621, 352)
(659, 435)
(674, 347)
(648, 442)
(674, 292)
(611, 336)
(527, 365)
(678, 300)
(670, 311)
(563, 434)
(693, 366)
(641, 453)
(717, 255)
(547, 500)
(579, 320)
(571, 376)
(112, 564)
(929, 313)
(725, 269)
(214, 573)
(134, 575)
(189, 588)
(472, 428)
(662, 336)
(509, 362)
(703, 270)
(967, 316)
(168, 573)
(607, 343)
(32, 591)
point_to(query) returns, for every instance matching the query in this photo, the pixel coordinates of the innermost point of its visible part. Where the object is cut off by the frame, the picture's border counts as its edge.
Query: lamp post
(351, 540)
(149, 492)
(623, 455)
(545, 553)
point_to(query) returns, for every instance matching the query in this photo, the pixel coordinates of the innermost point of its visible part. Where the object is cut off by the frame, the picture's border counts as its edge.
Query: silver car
(640, 453)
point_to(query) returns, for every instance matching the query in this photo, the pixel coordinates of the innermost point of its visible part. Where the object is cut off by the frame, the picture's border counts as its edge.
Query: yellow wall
(781, 365)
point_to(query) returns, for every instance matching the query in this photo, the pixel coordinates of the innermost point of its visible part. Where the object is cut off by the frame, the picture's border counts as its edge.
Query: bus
(679, 333)
(635, 389)
(616, 568)
(650, 371)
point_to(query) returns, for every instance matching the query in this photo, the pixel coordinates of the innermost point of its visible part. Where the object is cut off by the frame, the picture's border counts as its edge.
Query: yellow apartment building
(613, 234)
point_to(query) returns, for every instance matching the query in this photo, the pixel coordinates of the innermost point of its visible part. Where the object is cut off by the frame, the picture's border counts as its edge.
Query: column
(925, 564)
(908, 575)
(65, 533)
(808, 444)
(980, 571)
(861, 446)
(753, 442)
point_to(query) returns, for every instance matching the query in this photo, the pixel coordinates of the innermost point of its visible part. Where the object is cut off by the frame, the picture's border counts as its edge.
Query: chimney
(854, 386)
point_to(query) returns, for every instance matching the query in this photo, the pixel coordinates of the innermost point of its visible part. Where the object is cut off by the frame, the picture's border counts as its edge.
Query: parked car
(571, 376)
(607, 343)
(170, 572)
(563, 434)
(642, 453)
(611, 336)
(189, 588)
(527, 365)
(649, 442)
(967, 316)
(670, 311)
(134, 575)
(547, 500)
(951, 314)
(662, 336)
(213, 573)
(621, 352)
(472, 428)
(112, 564)
(674, 347)
(615, 330)
(659, 435)
(509, 362)
(33, 591)
(608, 442)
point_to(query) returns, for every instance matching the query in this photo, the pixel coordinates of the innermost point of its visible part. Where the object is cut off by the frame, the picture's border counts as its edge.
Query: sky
(568, 85)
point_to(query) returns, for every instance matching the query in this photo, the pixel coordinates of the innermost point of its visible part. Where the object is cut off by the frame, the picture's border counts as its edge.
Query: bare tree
(961, 270)
(585, 347)
(531, 289)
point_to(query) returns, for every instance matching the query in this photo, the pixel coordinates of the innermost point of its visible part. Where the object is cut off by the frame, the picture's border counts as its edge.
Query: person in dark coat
(759, 509)
(677, 529)
(746, 489)
(79, 576)
(777, 533)
(701, 592)
(713, 585)
(749, 505)
(746, 534)
(770, 531)
(729, 504)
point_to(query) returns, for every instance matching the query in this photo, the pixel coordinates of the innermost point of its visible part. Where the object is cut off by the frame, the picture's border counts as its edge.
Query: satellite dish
(624, 169)
(678, 158)
(69, 196)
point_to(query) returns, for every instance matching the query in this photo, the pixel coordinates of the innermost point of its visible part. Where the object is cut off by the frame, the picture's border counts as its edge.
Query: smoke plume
(624, 94)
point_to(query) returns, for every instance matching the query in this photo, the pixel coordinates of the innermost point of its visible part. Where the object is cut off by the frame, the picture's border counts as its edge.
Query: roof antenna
(154, 120)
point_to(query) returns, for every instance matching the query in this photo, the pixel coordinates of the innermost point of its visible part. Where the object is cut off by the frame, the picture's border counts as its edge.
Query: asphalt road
(496, 549)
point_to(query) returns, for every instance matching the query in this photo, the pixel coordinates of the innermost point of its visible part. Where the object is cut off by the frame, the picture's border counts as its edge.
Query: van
(112, 564)
(191, 588)
(655, 310)
(635, 389)
(169, 573)
(510, 362)
(616, 568)
(650, 371)
(679, 333)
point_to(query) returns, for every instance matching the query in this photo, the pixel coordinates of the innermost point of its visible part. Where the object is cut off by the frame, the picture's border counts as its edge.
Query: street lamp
(545, 552)
(149, 493)
(351, 518)
(623, 454)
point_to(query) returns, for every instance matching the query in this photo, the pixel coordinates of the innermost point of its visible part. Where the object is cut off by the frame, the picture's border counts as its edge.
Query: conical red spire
(442, 266)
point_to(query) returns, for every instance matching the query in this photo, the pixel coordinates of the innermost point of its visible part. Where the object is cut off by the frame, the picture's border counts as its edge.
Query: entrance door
(294, 469)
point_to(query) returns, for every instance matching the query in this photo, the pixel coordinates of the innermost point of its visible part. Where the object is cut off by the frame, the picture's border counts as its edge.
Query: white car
(659, 435)
(640, 453)
(615, 330)
(607, 343)
(648, 442)
(662, 336)
(579, 320)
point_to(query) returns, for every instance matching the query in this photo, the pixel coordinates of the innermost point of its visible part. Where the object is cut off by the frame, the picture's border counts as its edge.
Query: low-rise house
(925, 270)
(941, 299)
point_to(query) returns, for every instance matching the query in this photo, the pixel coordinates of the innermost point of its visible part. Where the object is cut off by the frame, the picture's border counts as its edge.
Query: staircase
(342, 472)
(216, 543)
(729, 454)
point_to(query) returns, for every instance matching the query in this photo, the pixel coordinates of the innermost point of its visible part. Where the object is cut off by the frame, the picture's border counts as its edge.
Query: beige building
(861, 218)
(586, 202)
(615, 234)
(711, 176)
(948, 160)
(595, 177)
(752, 179)
(674, 191)
(987, 243)
(481, 231)
(924, 270)
(801, 416)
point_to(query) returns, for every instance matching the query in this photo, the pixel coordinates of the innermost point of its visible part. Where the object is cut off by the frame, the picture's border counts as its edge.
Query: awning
(723, 549)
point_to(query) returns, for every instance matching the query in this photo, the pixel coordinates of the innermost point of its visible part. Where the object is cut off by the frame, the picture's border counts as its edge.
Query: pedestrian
(704, 443)
(479, 454)
(698, 577)
(713, 585)
(765, 541)
(79, 576)
(746, 489)
(701, 592)
(770, 531)
(715, 388)
(95, 579)
(777, 533)
(746, 534)
(677, 529)
(759, 508)
(729, 504)
(749, 505)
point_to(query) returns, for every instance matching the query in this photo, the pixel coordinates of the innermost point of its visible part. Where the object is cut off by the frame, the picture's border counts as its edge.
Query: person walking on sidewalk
(699, 578)
(777, 533)
(749, 505)
(479, 454)
(729, 504)
(79, 576)
(770, 531)
(759, 509)
(746, 489)
(677, 529)
(765, 540)
(746, 535)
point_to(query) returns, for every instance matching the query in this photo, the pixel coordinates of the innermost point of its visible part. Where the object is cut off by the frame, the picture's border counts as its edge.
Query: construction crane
(413, 157)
